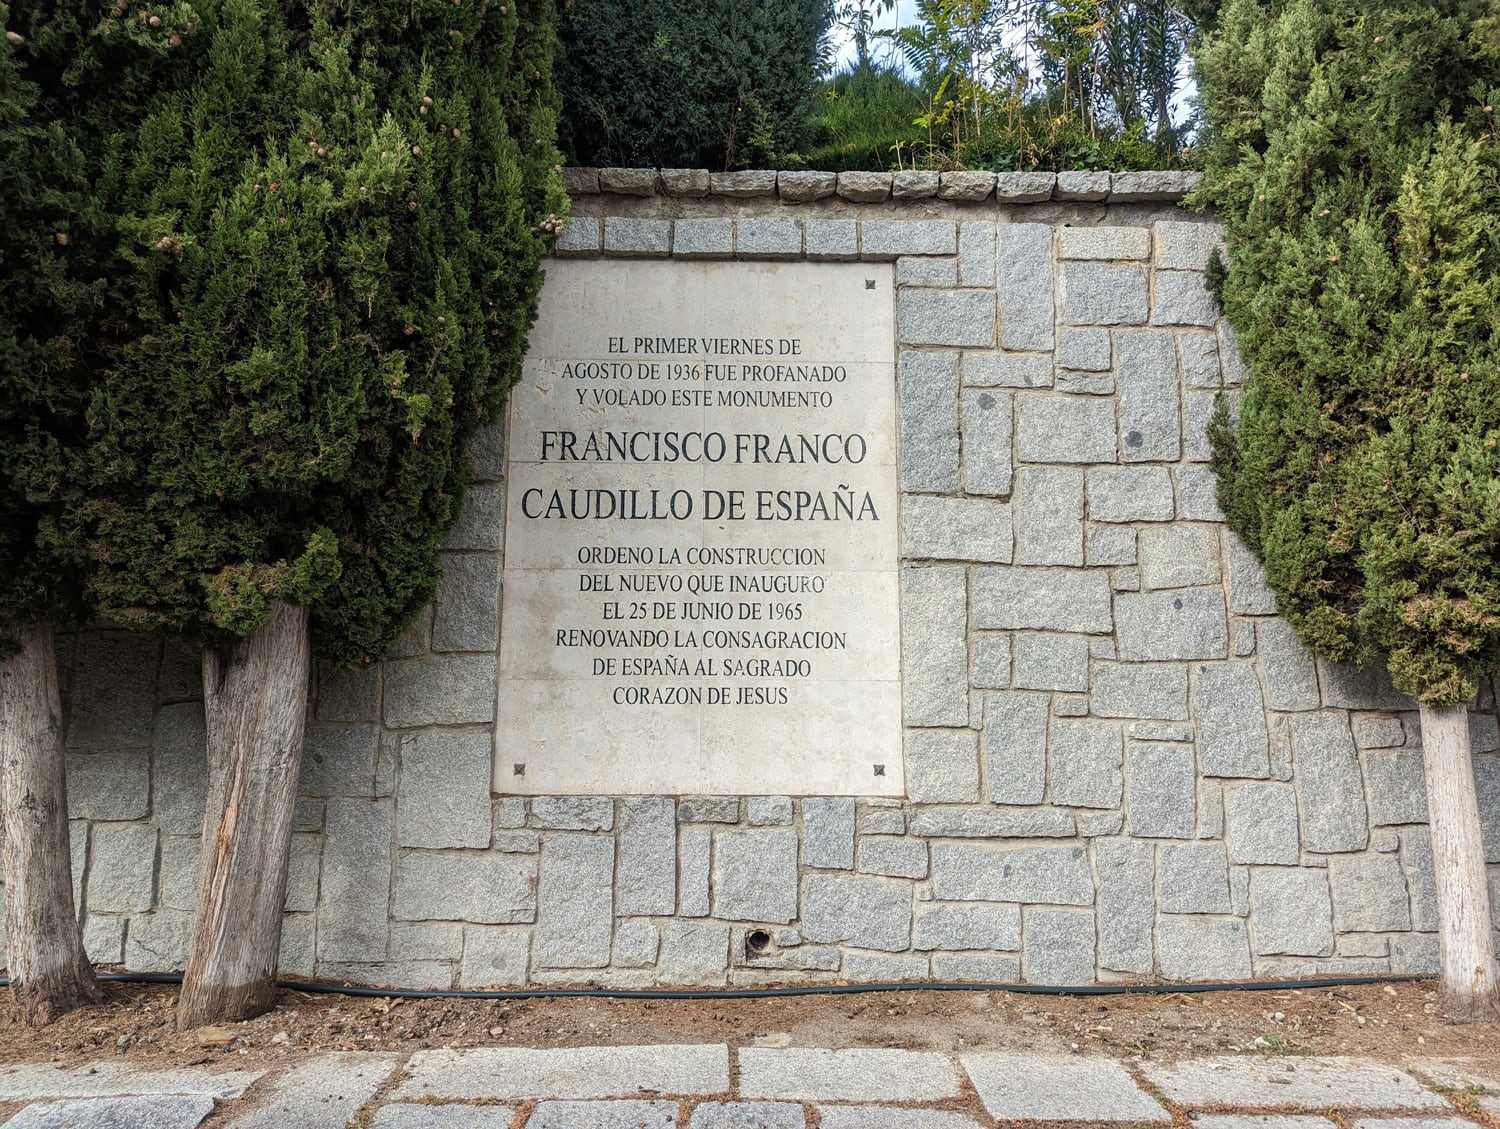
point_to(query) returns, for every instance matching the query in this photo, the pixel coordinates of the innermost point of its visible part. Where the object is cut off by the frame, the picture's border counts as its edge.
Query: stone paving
(715, 1086)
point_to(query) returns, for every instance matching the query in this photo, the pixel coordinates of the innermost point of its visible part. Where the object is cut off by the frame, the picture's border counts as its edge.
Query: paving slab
(1059, 1088)
(1459, 1072)
(1353, 1083)
(104, 1079)
(748, 1115)
(604, 1115)
(321, 1093)
(1411, 1123)
(1464, 1074)
(890, 1117)
(159, 1111)
(576, 1072)
(1261, 1121)
(403, 1116)
(859, 1075)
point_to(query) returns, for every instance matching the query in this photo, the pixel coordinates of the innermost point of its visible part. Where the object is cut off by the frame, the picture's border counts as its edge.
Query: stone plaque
(701, 590)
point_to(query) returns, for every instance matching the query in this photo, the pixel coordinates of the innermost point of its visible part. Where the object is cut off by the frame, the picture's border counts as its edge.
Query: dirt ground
(1390, 1022)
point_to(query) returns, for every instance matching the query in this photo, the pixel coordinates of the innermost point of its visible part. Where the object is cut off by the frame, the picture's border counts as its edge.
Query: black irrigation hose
(317, 987)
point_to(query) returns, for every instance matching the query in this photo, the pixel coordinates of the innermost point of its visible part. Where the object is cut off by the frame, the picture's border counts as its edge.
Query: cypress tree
(43, 311)
(330, 238)
(719, 84)
(67, 97)
(1353, 163)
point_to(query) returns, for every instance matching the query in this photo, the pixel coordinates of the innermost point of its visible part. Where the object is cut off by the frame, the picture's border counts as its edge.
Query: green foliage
(996, 84)
(1012, 85)
(1202, 14)
(864, 119)
(856, 19)
(877, 119)
(1041, 134)
(959, 49)
(1116, 62)
(719, 84)
(54, 249)
(1353, 164)
(34, 401)
(328, 231)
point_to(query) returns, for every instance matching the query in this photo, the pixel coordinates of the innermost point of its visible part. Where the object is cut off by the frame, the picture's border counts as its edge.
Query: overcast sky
(905, 12)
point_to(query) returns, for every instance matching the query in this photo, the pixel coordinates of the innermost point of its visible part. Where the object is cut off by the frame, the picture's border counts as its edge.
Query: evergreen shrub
(328, 252)
(1353, 162)
(48, 286)
(716, 84)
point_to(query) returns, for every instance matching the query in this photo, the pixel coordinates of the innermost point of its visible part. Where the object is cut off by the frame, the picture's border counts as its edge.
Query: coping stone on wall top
(1092, 186)
(1130, 187)
(972, 187)
(580, 182)
(864, 187)
(754, 182)
(800, 186)
(1024, 187)
(685, 182)
(914, 184)
(629, 182)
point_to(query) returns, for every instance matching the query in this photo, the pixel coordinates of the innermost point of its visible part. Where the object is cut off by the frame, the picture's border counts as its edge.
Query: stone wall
(1120, 763)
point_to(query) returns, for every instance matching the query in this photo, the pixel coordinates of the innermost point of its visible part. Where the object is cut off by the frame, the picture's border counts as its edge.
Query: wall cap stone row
(798, 187)
(1180, 245)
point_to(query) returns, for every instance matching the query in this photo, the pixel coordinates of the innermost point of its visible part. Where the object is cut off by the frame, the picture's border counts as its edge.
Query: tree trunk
(1469, 989)
(255, 704)
(49, 973)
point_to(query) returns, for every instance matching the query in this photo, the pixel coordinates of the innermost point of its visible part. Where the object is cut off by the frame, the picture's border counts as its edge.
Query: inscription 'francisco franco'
(700, 591)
